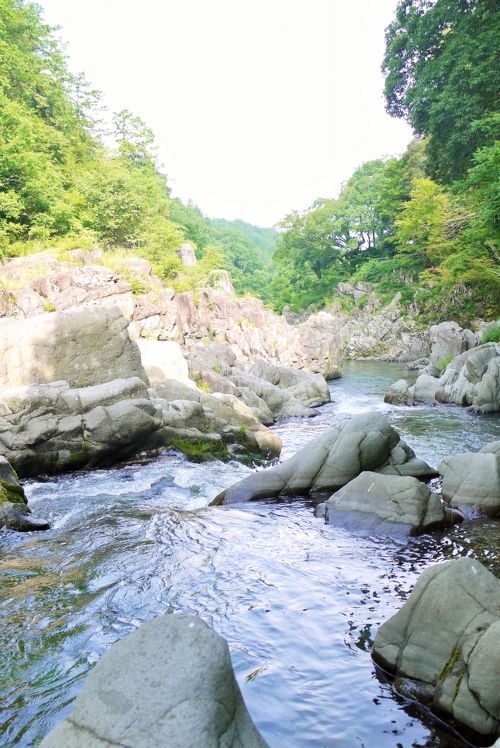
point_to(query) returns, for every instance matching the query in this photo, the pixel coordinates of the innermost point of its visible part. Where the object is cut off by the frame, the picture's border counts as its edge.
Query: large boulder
(169, 683)
(443, 645)
(472, 479)
(366, 442)
(386, 504)
(84, 346)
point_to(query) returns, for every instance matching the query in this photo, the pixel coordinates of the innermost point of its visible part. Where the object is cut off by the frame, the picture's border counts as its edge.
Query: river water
(298, 601)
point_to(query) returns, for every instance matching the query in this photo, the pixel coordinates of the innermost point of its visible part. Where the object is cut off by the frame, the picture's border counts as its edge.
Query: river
(298, 601)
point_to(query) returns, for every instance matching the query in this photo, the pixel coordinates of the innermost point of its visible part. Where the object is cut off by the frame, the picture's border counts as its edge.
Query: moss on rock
(12, 492)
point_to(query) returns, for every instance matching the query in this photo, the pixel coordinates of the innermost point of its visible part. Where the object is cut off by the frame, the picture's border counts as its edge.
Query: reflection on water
(298, 601)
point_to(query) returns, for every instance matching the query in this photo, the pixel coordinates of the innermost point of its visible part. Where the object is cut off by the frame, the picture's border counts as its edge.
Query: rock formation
(443, 646)
(471, 378)
(386, 504)
(366, 442)
(169, 683)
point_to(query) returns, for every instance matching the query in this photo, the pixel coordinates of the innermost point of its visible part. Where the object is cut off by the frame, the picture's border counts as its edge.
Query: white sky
(258, 106)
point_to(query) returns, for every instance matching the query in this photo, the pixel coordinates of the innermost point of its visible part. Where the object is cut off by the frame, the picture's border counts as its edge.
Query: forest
(425, 224)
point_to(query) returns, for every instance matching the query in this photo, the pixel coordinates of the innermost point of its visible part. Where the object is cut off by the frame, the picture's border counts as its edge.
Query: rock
(388, 334)
(16, 517)
(473, 378)
(84, 346)
(14, 511)
(397, 394)
(86, 256)
(385, 504)
(186, 254)
(169, 683)
(472, 479)
(311, 389)
(443, 646)
(322, 344)
(425, 388)
(53, 428)
(163, 360)
(448, 341)
(366, 442)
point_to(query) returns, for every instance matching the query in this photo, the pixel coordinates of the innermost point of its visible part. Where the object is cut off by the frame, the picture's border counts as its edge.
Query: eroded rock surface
(443, 646)
(386, 504)
(169, 683)
(84, 346)
(366, 442)
(53, 427)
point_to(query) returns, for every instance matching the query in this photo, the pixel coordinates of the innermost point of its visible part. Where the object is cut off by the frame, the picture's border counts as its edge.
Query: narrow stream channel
(299, 602)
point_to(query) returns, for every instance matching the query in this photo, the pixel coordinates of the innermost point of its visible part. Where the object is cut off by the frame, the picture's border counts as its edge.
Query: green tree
(421, 228)
(442, 75)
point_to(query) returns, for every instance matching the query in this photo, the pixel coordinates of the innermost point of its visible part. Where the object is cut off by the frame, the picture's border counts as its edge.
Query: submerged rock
(169, 683)
(386, 504)
(366, 442)
(443, 646)
(472, 479)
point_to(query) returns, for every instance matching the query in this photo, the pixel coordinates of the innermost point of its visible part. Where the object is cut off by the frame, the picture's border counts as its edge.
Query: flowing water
(299, 602)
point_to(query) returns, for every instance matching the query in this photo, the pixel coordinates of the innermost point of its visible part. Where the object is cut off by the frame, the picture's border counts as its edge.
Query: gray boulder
(366, 442)
(169, 683)
(385, 504)
(443, 646)
(84, 346)
(472, 479)
(397, 394)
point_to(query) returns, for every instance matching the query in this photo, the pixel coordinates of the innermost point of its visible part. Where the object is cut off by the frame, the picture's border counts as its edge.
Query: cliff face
(209, 315)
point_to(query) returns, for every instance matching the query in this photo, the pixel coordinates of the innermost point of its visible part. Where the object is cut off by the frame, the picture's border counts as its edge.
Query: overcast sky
(258, 106)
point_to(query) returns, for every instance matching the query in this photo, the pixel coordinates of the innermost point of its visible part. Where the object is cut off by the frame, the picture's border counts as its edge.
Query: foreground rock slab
(170, 683)
(472, 479)
(443, 646)
(366, 442)
(386, 504)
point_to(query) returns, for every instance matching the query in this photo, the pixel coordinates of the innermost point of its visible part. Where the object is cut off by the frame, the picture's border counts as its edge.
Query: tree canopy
(442, 75)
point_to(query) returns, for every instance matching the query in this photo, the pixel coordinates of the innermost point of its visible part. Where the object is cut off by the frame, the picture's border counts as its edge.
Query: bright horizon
(258, 108)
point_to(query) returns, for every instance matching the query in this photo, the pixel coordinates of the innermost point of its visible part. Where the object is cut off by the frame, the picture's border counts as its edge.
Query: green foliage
(443, 362)
(200, 451)
(492, 335)
(442, 75)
